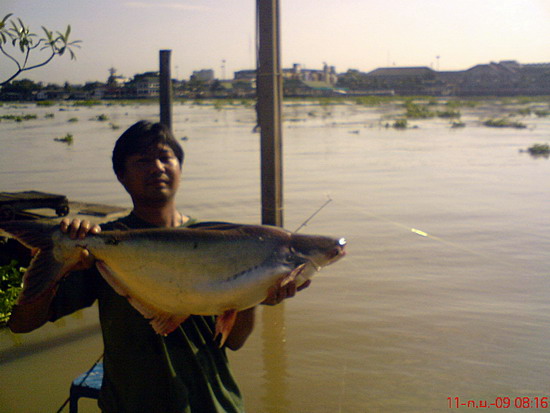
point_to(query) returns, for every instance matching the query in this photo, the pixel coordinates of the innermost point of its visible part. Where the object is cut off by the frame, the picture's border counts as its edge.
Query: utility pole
(165, 88)
(269, 89)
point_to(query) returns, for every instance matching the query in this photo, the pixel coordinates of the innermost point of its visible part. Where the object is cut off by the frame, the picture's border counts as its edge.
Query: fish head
(316, 251)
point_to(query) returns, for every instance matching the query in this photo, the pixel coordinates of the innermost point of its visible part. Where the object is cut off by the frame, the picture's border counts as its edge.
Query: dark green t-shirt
(137, 373)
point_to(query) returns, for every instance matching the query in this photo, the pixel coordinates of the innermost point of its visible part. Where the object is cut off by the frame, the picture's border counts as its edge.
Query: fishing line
(328, 201)
(347, 290)
(425, 234)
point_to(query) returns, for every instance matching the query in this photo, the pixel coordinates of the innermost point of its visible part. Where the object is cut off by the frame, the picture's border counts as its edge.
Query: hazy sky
(357, 34)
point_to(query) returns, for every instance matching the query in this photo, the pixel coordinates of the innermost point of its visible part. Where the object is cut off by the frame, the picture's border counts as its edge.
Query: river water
(443, 298)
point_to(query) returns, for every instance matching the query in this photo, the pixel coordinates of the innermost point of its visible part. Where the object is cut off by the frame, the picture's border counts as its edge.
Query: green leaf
(6, 17)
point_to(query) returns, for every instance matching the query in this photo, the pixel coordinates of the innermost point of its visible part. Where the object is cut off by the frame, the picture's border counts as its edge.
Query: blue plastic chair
(86, 385)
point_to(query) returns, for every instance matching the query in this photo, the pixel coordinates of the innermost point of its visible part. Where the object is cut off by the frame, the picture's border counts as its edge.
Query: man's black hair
(138, 138)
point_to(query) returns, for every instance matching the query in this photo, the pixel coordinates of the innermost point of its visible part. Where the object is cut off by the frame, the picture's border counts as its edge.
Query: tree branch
(22, 38)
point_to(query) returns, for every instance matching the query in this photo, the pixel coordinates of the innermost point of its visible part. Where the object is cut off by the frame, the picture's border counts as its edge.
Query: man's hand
(79, 229)
(277, 294)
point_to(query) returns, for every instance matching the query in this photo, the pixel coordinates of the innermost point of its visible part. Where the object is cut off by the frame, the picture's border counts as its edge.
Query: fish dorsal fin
(214, 225)
(162, 322)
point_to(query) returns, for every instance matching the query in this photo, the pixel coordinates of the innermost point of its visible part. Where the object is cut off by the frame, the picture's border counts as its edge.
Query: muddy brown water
(443, 296)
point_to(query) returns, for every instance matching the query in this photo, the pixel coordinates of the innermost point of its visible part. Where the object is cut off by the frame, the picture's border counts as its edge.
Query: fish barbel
(169, 274)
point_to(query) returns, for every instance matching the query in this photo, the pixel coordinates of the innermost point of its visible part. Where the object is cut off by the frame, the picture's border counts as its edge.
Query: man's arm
(28, 317)
(244, 324)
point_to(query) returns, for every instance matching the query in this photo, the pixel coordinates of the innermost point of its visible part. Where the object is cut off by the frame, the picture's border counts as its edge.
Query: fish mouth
(338, 251)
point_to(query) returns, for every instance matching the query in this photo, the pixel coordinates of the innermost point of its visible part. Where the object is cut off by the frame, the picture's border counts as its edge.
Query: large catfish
(169, 274)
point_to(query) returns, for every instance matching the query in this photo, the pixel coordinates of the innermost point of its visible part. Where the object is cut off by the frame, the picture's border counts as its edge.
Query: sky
(220, 34)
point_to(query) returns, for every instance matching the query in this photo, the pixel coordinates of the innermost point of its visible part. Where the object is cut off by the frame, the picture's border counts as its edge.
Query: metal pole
(165, 88)
(269, 89)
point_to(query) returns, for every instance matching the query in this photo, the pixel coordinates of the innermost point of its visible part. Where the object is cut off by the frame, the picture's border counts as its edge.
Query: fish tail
(44, 271)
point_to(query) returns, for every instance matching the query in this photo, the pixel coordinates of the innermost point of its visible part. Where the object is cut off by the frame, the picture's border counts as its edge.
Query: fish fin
(224, 325)
(214, 225)
(162, 322)
(291, 276)
(44, 272)
(42, 276)
(29, 233)
(109, 275)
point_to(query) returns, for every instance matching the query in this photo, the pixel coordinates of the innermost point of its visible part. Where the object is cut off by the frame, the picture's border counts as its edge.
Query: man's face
(152, 176)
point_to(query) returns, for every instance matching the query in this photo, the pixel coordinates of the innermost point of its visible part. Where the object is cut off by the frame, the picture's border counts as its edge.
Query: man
(185, 371)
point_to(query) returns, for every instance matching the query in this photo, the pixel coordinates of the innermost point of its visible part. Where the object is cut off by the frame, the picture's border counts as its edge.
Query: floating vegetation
(101, 118)
(219, 104)
(370, 100)
(45, 103)
(326, 101)
(504, 123)
(539, 149)
(87, 103)
(247, 103)
(416, 111)
(524, 111)
(454, 104)
(68, 139)
(398, 124)
(18, 118)
(448, 114)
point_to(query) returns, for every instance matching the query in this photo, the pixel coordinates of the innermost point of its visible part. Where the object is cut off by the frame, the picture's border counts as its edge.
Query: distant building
(245, 75)
(327, 75)
(403, 80)
(145, 85)
(52, 94)
(204, 75)
(506, 78)
(412, 73)
(297, 81)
